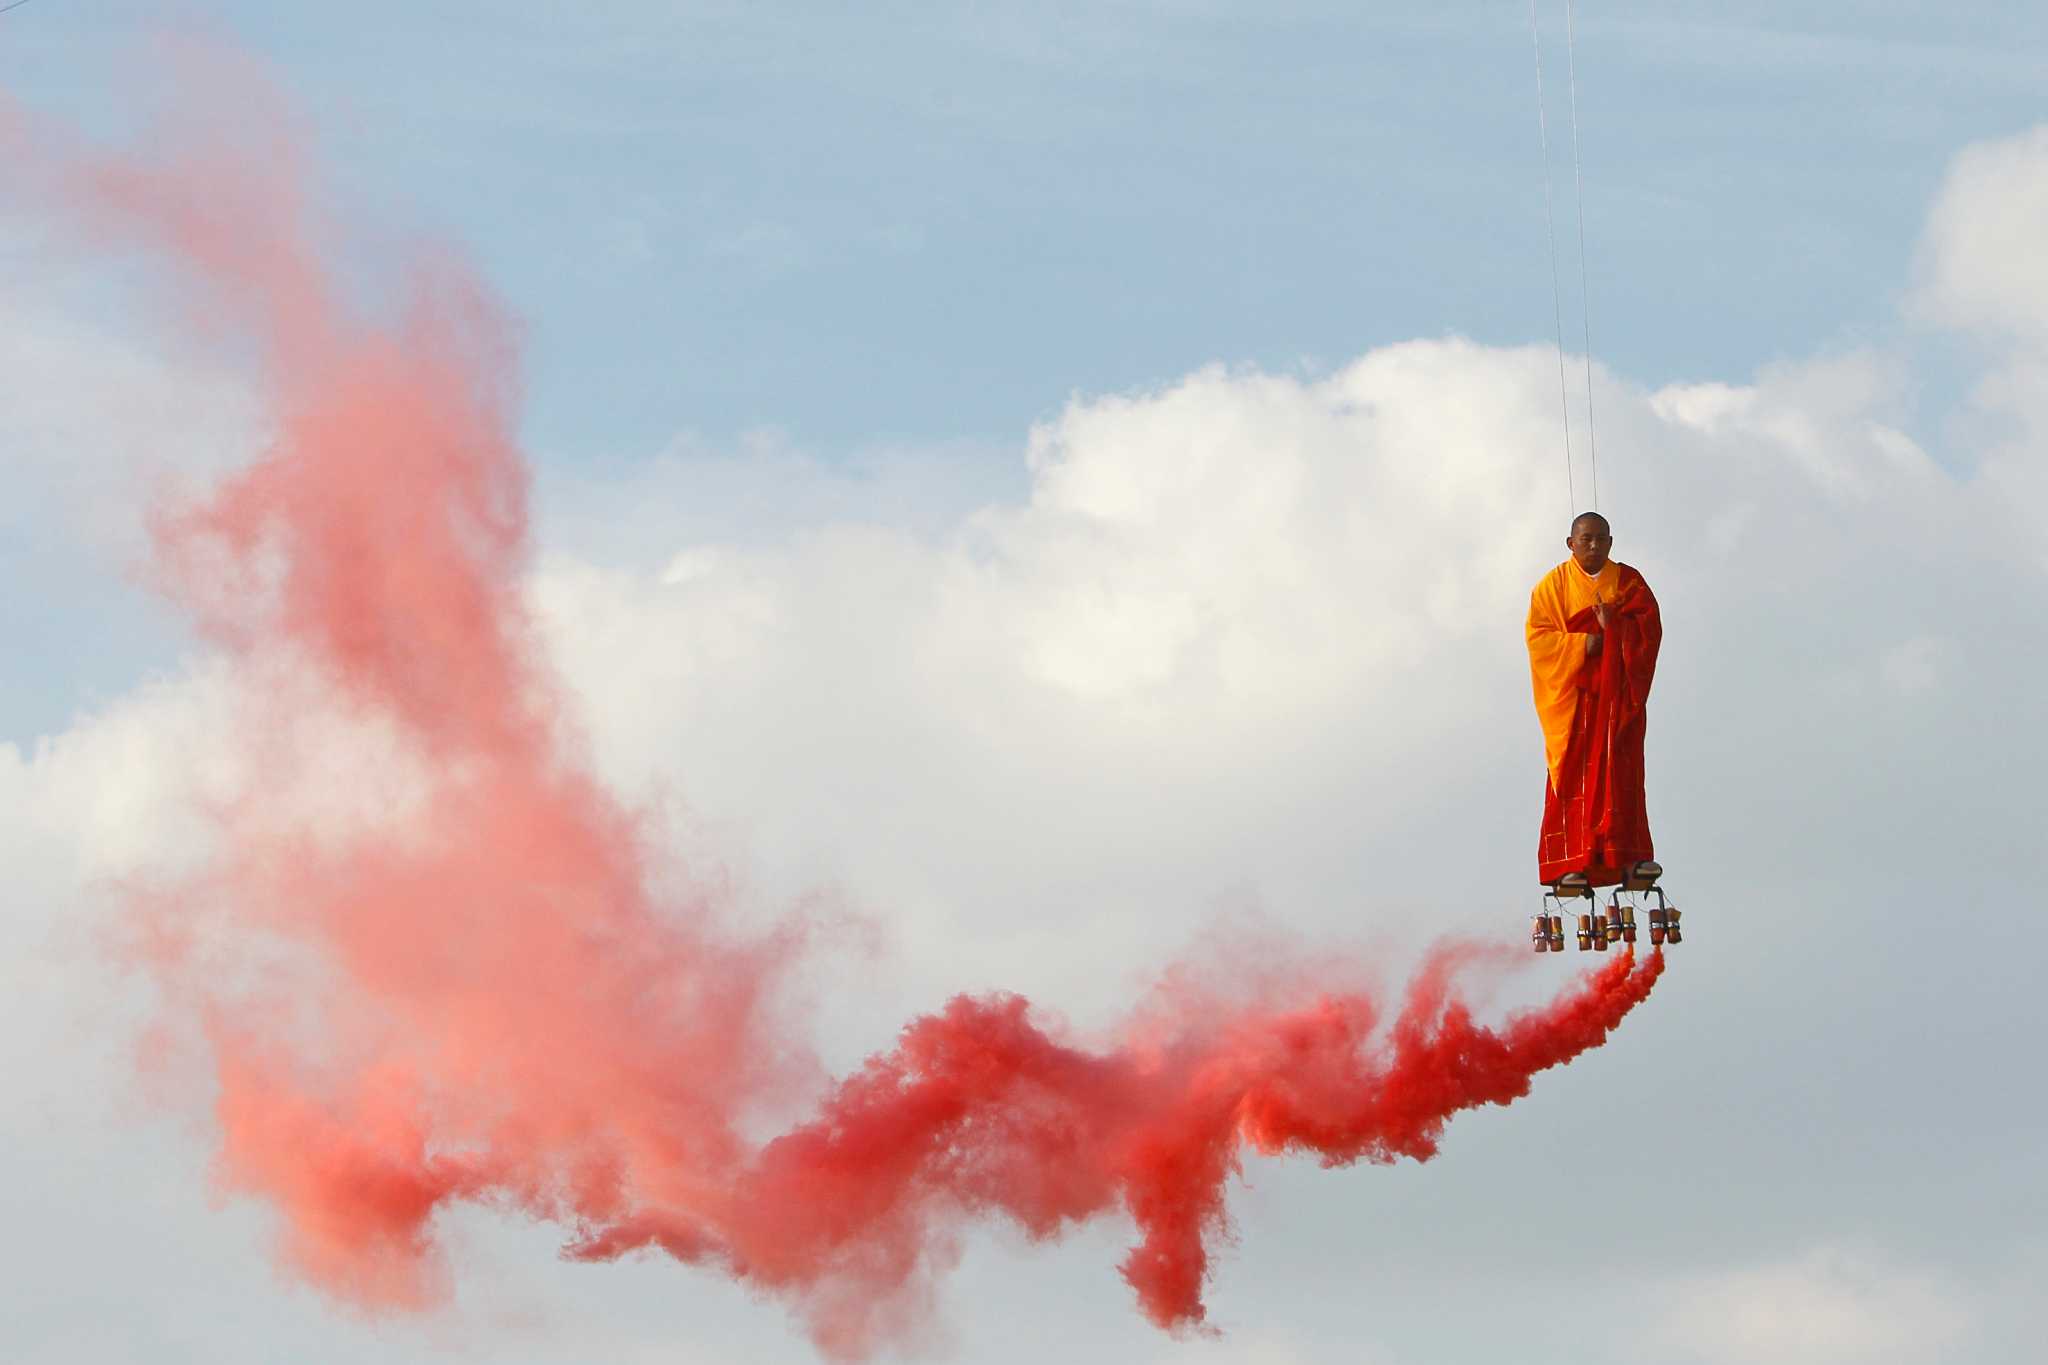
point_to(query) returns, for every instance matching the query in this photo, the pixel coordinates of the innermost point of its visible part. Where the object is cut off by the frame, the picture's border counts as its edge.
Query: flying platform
(1616, 923)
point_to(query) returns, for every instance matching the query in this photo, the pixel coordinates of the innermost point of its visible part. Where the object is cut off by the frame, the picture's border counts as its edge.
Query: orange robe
(1593, 717)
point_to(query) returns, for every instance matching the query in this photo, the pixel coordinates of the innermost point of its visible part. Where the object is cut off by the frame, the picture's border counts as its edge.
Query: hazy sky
(1061, 476)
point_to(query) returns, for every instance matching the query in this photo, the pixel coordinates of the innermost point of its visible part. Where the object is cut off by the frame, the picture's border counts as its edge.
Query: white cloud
(1982, 271)
(1982, 267)
(1826, 1306)
(1237, 591)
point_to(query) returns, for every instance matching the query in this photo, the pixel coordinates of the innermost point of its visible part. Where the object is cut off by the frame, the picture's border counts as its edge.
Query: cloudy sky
(1060, 483)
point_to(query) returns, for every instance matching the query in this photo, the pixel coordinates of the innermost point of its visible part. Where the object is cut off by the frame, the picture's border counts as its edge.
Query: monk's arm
(1646, 637)
(1555, 654)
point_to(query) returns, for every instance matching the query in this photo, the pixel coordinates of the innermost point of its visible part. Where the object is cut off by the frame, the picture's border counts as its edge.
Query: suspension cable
(1550, 233)
(1585, 301)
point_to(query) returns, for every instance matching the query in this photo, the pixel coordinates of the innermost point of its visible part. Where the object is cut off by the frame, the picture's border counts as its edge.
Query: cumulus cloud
(1981, 272)
(1247, 620)
(1981, 263)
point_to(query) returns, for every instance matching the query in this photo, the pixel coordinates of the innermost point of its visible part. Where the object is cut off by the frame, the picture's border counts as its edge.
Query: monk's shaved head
(1589, 541)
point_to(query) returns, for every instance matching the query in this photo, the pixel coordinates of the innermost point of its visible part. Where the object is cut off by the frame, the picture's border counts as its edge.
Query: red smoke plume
(482, 993)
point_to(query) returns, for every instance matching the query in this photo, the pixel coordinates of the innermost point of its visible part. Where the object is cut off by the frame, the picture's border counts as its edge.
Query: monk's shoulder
(1551, 582)
(1631, 580)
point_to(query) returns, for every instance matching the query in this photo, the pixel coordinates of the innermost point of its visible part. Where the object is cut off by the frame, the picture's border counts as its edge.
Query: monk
(1593, 635)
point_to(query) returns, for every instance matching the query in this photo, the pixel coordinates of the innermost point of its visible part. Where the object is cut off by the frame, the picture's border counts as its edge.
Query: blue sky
(881, 222)
(1004, 463)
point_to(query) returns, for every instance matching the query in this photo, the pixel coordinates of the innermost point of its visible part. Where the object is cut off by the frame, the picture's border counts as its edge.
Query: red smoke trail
(482, 993)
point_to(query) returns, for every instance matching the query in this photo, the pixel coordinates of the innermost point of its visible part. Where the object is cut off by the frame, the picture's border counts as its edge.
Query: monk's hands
(1602, 612)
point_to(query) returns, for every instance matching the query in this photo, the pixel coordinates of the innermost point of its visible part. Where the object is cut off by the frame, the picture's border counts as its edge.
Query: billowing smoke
(425, 957)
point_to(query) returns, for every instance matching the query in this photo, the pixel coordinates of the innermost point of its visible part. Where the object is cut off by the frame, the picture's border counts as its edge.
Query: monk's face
(1589, 543)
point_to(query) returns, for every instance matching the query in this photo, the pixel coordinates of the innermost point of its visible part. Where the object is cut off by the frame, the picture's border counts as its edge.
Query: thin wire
(1585, 302)
(1550, 232)
(16, 5)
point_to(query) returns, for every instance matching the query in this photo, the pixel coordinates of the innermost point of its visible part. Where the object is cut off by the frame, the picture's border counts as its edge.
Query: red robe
(1594, 711)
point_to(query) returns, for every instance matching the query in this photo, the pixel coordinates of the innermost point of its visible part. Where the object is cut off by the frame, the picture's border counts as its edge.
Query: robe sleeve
(1638, 629)
(1555, 657)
